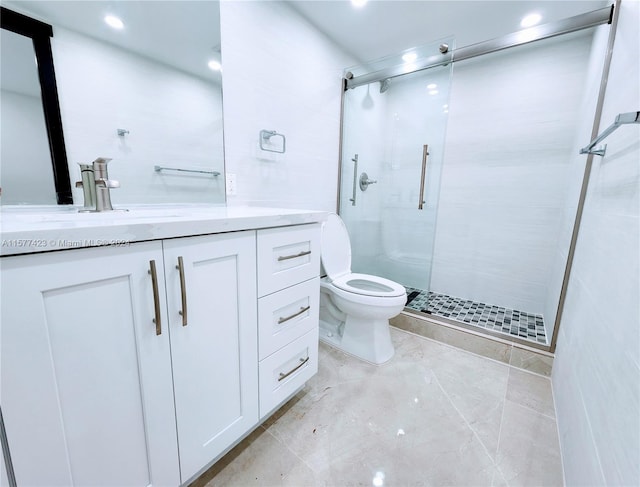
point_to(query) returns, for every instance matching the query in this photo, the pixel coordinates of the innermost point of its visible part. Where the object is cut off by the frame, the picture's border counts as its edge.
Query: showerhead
(384, 85)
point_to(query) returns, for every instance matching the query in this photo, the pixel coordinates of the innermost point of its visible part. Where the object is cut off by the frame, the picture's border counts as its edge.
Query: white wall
(280, 74)
(174, 120)
(26, 175)
(575, 175)
(509, 141)
(596, 373)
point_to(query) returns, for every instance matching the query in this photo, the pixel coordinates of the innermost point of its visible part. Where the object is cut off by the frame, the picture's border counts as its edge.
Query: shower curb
(511, 353)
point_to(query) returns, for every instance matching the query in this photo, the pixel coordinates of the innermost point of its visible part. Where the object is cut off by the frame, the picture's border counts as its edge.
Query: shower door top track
(537, 33)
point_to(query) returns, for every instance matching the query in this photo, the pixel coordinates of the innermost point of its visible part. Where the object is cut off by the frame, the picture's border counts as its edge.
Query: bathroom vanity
(138, 347)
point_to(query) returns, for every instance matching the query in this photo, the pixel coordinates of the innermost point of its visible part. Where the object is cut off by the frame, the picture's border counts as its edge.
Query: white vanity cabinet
(288, 306)
(211, 294)
(87, 394)
(140, 365)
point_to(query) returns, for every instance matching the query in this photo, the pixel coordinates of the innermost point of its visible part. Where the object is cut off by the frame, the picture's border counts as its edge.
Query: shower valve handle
(364, 181)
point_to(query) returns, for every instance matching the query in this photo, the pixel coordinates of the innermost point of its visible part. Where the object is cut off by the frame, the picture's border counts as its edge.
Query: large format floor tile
(434, 415)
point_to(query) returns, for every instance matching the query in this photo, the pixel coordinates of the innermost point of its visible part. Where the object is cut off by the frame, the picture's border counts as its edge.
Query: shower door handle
(355, 180)
(425, 153)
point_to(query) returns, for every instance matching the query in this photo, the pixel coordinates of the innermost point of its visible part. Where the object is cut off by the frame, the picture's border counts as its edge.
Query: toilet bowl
(355, 308)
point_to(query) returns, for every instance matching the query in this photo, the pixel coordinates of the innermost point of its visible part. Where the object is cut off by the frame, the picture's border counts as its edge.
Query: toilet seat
(369, 285)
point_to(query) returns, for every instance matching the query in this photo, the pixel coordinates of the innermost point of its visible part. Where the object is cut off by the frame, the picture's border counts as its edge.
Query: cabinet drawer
(286, 315)
(287, 256)
(286, 370)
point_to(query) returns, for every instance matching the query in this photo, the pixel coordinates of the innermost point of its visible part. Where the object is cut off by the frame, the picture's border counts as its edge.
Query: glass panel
(386, 126)
(510, 184)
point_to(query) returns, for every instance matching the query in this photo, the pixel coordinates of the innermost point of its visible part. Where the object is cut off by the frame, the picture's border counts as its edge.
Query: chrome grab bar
(425, 153)
(284, 376)
(355, 180)
(621, 119)
(198, 171)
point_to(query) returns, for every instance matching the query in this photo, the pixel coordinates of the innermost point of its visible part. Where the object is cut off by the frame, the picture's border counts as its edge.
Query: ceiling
(186, 33)
(384, 27)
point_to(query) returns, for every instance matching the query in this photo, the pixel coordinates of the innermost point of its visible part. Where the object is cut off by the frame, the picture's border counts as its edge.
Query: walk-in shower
(474, 151)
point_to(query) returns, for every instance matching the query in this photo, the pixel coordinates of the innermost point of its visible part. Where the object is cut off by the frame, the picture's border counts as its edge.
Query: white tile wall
(509, 142)
(26, 174)
(280, 74)
(596, 376)
(174, 119)
(575, 175)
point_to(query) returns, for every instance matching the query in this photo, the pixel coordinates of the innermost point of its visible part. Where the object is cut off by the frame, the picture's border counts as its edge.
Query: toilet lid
(335, 247)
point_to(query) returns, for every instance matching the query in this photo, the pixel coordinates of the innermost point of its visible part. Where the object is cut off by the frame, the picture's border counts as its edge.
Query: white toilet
(355, 308)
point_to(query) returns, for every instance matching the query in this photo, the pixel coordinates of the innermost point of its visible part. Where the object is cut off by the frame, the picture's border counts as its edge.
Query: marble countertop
(30, 229)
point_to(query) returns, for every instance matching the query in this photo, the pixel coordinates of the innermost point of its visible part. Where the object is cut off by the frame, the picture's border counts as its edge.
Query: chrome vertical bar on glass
(586, 175)
(425, 153)
(355, 179)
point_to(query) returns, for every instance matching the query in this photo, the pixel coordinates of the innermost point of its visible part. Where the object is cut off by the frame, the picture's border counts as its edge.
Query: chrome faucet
(103, 184)
(88, 185)
(95, 186)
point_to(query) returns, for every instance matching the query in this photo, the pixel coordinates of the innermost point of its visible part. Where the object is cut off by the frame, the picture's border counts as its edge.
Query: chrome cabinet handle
(302, 310)
(284, 376)
(156, 296)
(287, 257)
(355, 179)
(183, 291)
(425, 153)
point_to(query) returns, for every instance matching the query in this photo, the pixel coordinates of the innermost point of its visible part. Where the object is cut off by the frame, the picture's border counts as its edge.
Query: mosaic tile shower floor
(496, 318)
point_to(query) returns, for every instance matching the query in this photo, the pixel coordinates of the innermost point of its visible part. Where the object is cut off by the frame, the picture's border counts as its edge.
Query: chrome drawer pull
(302, 362)
(287, 257)
(302, 310)
(156, 296)
(183, 291)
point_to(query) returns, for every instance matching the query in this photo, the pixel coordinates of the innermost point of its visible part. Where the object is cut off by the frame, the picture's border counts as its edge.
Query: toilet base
(364, 338)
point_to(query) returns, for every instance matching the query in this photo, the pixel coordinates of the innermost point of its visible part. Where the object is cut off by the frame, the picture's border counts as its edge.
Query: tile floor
(497, 318)
(433, 415)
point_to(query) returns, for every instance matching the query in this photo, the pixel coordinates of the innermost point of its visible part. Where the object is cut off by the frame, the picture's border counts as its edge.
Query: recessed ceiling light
(358, 3)
(114, 22)
(433, 92)
(530, 20)
(432, 86)
(214, 65)
(409, 57)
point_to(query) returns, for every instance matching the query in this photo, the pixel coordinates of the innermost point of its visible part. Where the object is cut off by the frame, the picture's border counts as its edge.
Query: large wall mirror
(33, 162)
(145, 91)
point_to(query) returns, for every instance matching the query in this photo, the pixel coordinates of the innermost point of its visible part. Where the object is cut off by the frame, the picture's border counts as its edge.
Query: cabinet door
(213, 343)
(86, 381)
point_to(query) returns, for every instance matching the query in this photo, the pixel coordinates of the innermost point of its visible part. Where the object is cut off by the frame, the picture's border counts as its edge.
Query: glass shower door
(392, 155)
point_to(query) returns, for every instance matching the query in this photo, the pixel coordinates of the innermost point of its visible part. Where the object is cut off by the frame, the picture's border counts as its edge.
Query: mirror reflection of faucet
(96, 186)
(364, 181)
